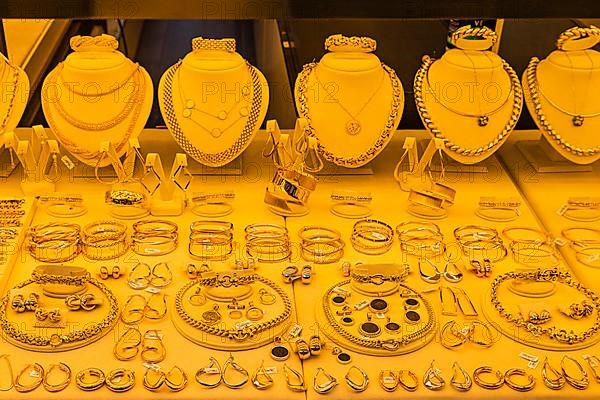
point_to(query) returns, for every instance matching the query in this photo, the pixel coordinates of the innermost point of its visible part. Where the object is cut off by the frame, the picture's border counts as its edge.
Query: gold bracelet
(77, 42)
(511, 233)
(473, 38)
(571, 235)
(35, 371)
(212, 205)
(291, 188)
(350, 210)
(123, 197)
(227, 45)
(154, 245)
(578, 38)
(88, 386)
(57, 387)
(340, 42)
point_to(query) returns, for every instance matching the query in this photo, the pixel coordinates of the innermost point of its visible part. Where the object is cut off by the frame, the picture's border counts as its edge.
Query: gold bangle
(228, 45)
(510, 234)
(340, 42)
(473, 38)
(485, 384)
(107, 41)
(35, 371)
(488, 213)
(57, 387)
(350, 210)
(571, 235)
(291, 188)
(426, 204)
(212, 205)
(215, 369)
(578, 38)
(88, 386)
(517, 386)
(349, 196)
(120, 380)
(124, 197)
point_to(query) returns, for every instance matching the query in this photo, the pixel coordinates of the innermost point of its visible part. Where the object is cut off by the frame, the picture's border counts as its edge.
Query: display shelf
(389, 205)
(548, 192)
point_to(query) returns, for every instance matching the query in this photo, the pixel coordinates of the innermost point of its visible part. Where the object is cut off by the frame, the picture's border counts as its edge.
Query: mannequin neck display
(213, 101)
(470, 98)
(96, 89)
(560, 96)
(483, 87)
(352, 103)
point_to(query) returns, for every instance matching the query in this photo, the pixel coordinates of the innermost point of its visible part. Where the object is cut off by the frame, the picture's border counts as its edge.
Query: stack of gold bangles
(211, 240)
(267, 242)
(532, 247)
(154, 237)
(371, 236)
(586, 244)
(321, 245)
(104, 240)
(289, 191)
(54, 242)
(421, 239)
(479, 242)
(432, 203)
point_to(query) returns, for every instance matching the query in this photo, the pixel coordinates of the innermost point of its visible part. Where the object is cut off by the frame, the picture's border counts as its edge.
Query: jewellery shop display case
(232, 199)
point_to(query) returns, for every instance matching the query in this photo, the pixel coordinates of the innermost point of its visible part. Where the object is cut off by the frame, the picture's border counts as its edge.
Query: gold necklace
(189, 105)
(386, 134)
(130, 103)
(482, 118)
(578, 118)
(223, 157)
(93, 156)
(13, 93)
(353, 126)
(540, 117)
(516, 89)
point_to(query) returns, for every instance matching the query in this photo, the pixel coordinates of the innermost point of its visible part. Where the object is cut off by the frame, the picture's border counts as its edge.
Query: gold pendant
(483, 120)
(353, 127)
(577, 120)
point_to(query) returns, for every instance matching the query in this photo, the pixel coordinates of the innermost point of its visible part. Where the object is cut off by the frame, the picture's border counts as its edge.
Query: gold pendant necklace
(223, 157)
(386, 134)
(189, 105)
(482, 118)
(516, 90)
(353, 126)
(542, 120)
(577, 118)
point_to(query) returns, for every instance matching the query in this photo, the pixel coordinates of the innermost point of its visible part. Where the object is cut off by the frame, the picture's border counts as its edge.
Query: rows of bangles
(269, 242)
(58, 377)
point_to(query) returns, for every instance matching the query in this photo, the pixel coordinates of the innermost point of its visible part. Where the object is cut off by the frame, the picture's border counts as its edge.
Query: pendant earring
(594, 364)
(580, 382)
(312, 159)
(452, 277)
(432, 379)
(261, 378)
(435, 277)
(464, 384)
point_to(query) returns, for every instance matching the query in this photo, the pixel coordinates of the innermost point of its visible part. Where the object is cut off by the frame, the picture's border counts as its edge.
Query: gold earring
(435, 277)
(34, 370)
(465, 384)
(57, 387)
(153, 385)
(155, 313)
(261, 378)
(133, 309)
(555, 383)
(137, 281)
(432, 379)
(298, 385)
(213, 368)
(594, 364)
(327, 386)
(485, 384)
(358, 387)
(153, 349)
(161, 280)
(171, 379)
(231, 363)
(580, 383)
(389, 380)
(131, 335)
(408, 386)
(517, 386)
(87, 385)
(10, 373)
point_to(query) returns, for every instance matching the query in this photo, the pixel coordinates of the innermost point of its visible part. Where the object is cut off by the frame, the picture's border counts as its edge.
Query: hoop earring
(213, 368)
(388, 380)
(119, 351)
(556, 383)
(433, 279)
(516, 386)
(231, 363)
(578, 383)
(488, 385)
(412, 376)
(466, 383)
(327, 386)
(294, 386)
(35, 370)
(261, 378)
(152, 343)
(358, 387)
(432, 378)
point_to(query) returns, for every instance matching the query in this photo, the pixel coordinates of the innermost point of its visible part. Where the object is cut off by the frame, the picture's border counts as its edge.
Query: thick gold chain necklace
(223, 157)
(13, 93)
(382, 140)
(353, 126)
(516, 89)
(542, 120)
(189, 105)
